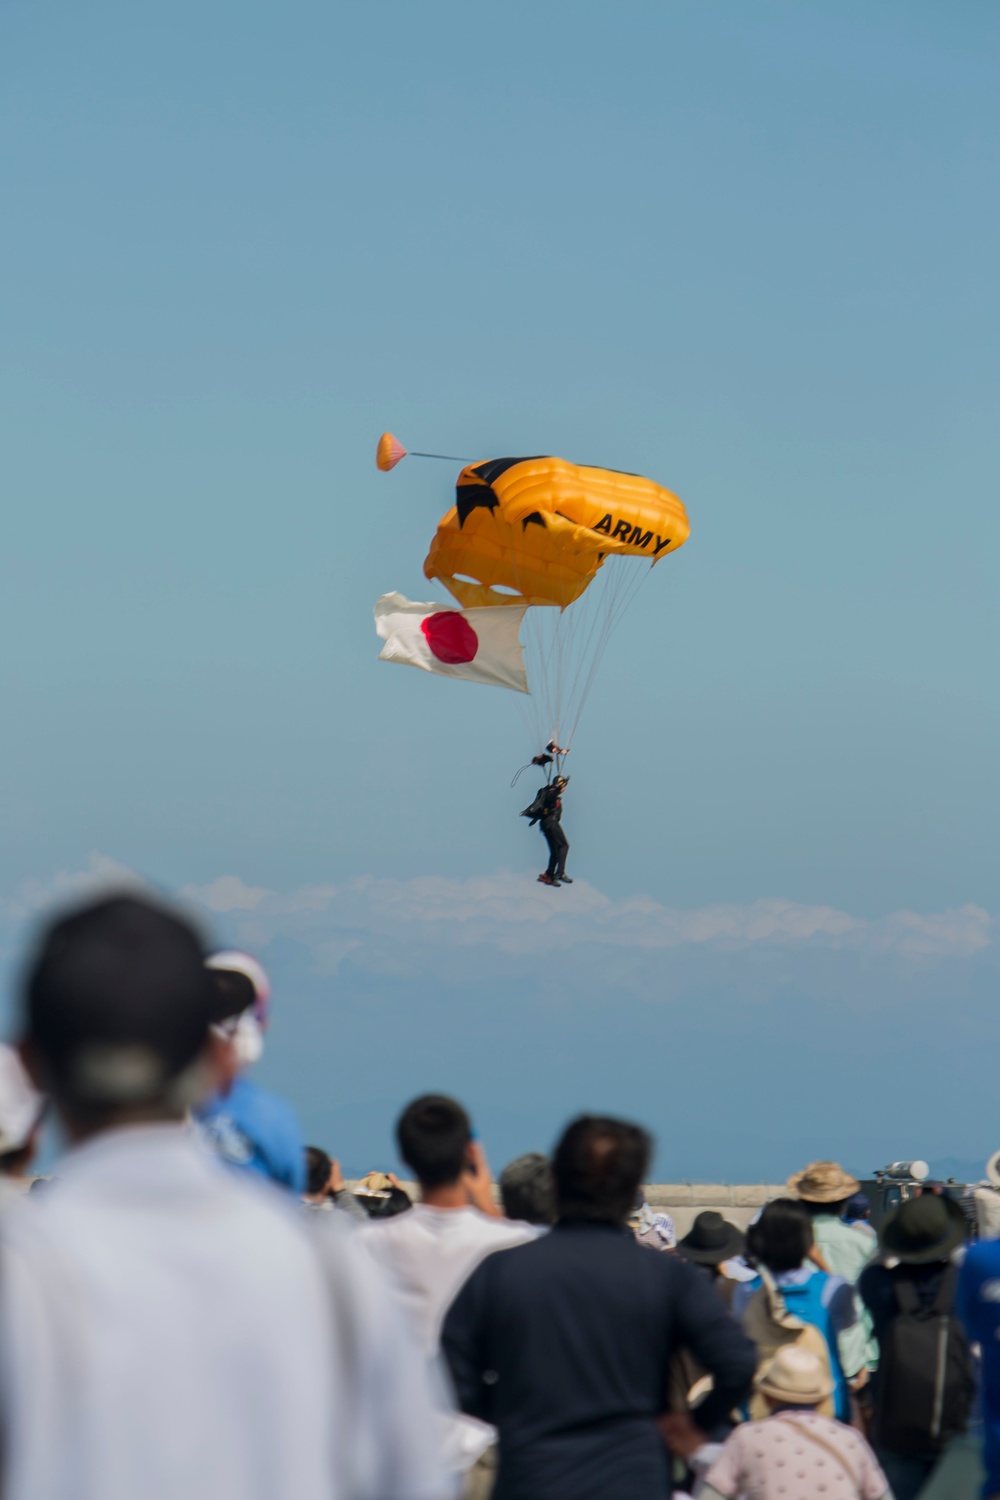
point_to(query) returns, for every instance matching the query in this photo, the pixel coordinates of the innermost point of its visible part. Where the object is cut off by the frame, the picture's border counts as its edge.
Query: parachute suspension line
(585, 627)
(529, 704)
(540, 695)
(450, 458)
(623, 594)
(574, 632)
(621, 602)
(565, 648)
(517, 774)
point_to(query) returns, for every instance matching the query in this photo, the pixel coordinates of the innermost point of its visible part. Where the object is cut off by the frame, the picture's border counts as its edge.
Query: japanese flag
(480, 645)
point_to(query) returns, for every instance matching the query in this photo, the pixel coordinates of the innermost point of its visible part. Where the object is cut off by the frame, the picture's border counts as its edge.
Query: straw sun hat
(823, 1182)
(795, 1377)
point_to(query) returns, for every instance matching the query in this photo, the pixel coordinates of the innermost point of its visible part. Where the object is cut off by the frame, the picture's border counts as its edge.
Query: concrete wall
(737, 1201)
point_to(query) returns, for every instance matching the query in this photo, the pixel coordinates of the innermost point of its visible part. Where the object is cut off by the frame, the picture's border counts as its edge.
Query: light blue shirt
(257, 1132)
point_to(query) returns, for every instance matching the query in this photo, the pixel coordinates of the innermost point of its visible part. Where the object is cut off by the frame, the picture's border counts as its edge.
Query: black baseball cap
(118, 1000)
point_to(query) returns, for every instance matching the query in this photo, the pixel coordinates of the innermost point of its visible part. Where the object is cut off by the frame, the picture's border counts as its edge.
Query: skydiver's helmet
(560, 782)
(244, 997)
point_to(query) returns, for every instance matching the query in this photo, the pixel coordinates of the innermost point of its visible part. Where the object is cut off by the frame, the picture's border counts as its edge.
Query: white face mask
(248, 1040)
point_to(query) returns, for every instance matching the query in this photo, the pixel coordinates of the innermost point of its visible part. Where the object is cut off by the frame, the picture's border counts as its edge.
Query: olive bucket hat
(922, 1229)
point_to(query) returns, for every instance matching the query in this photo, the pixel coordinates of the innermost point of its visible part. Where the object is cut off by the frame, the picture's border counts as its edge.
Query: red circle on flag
(450, 637)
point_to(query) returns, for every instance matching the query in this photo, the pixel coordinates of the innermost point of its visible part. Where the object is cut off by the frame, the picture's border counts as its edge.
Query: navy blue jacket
(565, 1345)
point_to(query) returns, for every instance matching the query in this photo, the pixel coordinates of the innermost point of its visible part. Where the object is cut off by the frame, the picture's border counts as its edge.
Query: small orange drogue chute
(389, 451)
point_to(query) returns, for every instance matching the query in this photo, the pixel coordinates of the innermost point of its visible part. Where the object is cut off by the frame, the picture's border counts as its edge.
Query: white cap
(233, 961)
(21, 1105)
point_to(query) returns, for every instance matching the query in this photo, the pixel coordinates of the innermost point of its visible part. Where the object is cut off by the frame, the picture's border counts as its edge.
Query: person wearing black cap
(168, 1328)
(710, 1241)
(923, 1386)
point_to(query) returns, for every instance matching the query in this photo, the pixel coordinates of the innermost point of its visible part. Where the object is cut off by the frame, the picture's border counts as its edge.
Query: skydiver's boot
(547, 879)
(565, 879)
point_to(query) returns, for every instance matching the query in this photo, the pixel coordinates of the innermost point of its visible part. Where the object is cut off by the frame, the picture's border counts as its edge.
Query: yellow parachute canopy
(541, 531)
(476, 557)
(542, 527)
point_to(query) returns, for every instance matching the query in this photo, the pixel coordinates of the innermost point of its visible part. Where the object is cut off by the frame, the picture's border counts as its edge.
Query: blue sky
(748, 250)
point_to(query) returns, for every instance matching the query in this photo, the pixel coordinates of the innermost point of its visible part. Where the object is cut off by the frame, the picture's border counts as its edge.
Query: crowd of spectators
(196, 1304)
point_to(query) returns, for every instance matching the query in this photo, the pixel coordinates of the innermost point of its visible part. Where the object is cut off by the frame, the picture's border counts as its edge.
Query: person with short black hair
(781, 1238)
(181, 1331)
(433, 1135)
(598, 1166)
(780, 1242)
(430, 1249)
(319, 1170)
(566, 1343)
(326, 1189)
(527, 1190)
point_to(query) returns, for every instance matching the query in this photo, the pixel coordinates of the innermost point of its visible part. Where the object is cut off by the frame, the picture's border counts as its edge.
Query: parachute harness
(553, 755)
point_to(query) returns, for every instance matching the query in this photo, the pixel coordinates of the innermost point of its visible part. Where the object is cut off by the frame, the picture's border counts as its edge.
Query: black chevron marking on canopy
(494, 467)
(470, 497)
(535, 519)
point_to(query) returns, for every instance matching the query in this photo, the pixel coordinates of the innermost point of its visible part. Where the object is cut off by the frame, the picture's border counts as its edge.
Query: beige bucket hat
(795, 1376)
(823, 1182)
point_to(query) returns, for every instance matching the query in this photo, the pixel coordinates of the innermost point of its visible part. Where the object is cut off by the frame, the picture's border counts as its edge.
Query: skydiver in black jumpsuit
(546, 810)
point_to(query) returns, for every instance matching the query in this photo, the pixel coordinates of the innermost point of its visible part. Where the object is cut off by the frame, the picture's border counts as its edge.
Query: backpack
(925, 1382)
(768, 1322)
(536, 809)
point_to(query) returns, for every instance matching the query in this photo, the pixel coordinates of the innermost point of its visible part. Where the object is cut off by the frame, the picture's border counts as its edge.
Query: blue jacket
(258, 1132)
(978, 1306)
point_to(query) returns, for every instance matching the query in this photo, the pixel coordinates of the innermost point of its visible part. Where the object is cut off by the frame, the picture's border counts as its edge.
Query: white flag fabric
(479, 645)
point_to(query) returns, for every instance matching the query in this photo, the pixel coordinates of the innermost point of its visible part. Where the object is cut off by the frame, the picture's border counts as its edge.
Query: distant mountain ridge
(962, 1168)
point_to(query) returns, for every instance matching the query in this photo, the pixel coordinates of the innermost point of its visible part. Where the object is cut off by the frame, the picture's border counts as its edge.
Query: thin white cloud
(507, 911)
(65, 886)
(230, 893)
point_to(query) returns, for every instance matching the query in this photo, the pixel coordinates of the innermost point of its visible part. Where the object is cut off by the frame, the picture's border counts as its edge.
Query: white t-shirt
(430, 1253)
(169, 1328)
